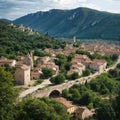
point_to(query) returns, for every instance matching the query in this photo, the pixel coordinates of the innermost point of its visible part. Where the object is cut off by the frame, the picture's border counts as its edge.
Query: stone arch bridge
(52, 90)
(57, 89)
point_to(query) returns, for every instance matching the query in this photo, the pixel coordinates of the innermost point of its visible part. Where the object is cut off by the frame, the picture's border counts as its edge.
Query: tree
(118, 66)
(76, 95)
(65, 93)
(86, 72)
(40, 109)
(40, 53)
(70, 57)
(114, 73)
(7, 95)
(61, 60)
(67, 66)
(47, 72)
(114, 57)
(8, 68)
(87, 98)
(58, 79)
(106, 112)
(74, 76)
(117, 106)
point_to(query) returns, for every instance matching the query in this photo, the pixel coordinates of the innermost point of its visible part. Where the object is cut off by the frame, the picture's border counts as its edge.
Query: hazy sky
(12, 9)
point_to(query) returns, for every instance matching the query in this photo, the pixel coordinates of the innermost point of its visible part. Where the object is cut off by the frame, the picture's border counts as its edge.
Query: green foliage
(83, 52)
(9, 68)
(103, 85)
(40, 53)
(117, 106)
(106, 112)
(58, 79)
(74, 76)
(70, 57)
(90, 93)
(38, 82)
(47, 72)
(82, 95)
(7, 95)
(114, 57)
(14, 42)
(63, 62)
(40, 109)
(118, 66)
(86, 72)
(67, 66)
(65, 93)
(114, 73)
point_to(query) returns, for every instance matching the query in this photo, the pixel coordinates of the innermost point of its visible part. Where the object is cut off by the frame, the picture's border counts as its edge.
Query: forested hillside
(15, 42)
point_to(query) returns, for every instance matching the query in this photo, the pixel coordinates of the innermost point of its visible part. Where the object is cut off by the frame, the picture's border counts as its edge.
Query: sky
(13, 9)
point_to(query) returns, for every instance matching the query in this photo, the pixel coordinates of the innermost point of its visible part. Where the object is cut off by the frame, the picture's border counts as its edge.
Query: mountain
(82, 22)
(6, 20)
(14, 42)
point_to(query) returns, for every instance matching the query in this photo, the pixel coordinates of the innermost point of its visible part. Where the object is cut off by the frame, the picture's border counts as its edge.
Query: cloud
(13, 9)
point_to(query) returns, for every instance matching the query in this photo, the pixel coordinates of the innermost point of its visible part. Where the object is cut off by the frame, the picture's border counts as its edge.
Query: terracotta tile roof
(63, 101)
(98, 62)
(6, 61)
(23, 67)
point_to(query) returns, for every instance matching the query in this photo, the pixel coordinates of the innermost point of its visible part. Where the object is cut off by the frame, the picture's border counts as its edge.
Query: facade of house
(83, 112)
(98, 65)
(35, 75)
(77, 67)
(22, 75)
(81, 59)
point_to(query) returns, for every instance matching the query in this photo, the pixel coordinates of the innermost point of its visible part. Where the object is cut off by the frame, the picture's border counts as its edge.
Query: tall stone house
(22, 75)
(83, 112)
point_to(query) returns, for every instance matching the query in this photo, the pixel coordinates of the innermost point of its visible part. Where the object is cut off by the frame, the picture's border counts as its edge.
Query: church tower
(29, 60)
(74, 39)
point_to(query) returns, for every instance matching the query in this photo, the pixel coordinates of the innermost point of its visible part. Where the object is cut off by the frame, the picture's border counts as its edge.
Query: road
(69, 84)
(33, 89)
(114, 66)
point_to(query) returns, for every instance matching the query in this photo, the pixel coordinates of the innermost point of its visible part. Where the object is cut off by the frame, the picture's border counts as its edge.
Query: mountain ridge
(85, 23)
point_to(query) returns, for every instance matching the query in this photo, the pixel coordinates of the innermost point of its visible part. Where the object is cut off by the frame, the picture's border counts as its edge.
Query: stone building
(98, 65)
(36, 73)
(22, 74)
(70, 108)
(27, 60)
(9, 62)
(83, 112)
(21, 27)
(77, 67)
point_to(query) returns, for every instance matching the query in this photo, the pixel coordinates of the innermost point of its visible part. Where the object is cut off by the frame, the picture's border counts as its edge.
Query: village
(59, 60)
(26, 73)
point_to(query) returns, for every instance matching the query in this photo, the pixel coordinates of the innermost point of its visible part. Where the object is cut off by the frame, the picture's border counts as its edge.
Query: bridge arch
(55, 93)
